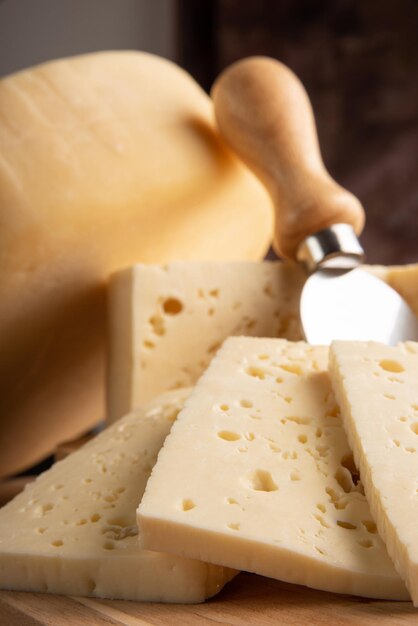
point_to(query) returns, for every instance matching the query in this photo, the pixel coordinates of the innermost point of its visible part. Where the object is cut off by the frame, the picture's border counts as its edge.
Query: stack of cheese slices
(292, 461)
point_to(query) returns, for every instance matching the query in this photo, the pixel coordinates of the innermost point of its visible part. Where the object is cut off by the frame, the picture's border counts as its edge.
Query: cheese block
(377, 388)
(167, 322)
(73, 530)
(404, 279)
(257, 474)
(106, 160)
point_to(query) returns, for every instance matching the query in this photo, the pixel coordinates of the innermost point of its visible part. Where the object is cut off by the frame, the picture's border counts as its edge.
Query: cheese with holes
(105, 160)
(73, 530)
(377, 389)
(167, 322)
(257, 474)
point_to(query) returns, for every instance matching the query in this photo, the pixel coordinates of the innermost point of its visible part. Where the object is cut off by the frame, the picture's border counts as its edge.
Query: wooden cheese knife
(265, 115)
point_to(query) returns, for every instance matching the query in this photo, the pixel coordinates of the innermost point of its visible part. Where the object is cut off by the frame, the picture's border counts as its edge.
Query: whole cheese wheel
(105, 160)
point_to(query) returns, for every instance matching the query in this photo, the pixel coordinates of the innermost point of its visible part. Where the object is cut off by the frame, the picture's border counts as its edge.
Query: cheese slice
(106, 160)
(377, 388)
(73, 530)
(257, 474)
(167, 322)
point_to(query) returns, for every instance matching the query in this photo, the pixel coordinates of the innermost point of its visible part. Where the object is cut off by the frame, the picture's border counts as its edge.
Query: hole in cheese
(348, 462)
(292, 369)
(157, 325)
(188, 505)
(344, 478)
(256, 372)
(261, 480)
(390, 365)
(346, 525)
(335, 499)
(228, 435)
(172, 306)
(321, 520)
(299, 420)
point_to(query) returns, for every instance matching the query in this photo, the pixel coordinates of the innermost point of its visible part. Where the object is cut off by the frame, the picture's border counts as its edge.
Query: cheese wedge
(73, 530)
(257, 474)
(106, 159)
(405, 280)
(167, 322)
(377, 389)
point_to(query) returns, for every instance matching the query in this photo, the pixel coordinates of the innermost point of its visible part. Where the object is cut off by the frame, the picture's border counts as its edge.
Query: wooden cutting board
(248, 600)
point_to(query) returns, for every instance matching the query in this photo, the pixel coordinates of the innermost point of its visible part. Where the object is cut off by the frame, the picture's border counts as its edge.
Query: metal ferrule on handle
(336, 247)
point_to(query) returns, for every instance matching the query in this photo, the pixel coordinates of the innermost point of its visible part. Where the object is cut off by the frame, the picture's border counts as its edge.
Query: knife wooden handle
(265, 115)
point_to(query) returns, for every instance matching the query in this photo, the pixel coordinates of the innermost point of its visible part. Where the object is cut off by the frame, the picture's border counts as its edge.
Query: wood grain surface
(248, 600)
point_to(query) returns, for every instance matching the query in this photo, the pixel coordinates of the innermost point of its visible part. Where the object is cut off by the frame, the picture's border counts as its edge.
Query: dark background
(358, 60)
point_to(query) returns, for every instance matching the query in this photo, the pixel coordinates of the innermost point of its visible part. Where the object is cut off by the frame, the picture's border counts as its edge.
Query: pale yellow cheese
(405, 280)
(377, 388)
(166, 322)
(73, 530)
(257, 474)
(105, 160)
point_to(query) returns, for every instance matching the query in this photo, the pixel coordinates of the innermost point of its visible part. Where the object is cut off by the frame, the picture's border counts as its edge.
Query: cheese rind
(166, 322)
(257, 474)
(106, 159)
(377, 389)
(73, 530)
